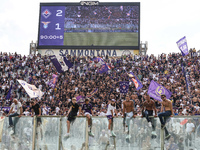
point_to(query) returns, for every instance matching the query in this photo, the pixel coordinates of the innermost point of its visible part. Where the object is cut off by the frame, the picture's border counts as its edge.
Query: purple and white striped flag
(56, 63)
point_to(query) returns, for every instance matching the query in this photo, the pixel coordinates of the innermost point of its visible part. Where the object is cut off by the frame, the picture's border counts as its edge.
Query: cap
(113, 100)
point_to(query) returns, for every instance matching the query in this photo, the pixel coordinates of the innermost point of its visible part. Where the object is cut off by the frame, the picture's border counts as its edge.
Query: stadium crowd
(83, 78)
(102, 19)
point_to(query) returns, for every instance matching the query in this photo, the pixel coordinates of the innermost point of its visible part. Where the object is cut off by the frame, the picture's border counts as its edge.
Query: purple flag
(56, 63)
(135, 80)
(93, 92)
(124, 86)
(156, 90)
(104, 68)
(9, 93)
(52, 82)
(182, 45)
(67, 62)
(80, 99)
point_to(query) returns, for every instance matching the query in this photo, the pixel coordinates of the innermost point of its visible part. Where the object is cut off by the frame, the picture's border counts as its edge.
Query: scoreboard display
(89, 25)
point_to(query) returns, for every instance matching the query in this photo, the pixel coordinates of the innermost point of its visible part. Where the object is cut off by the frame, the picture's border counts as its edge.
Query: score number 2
(58, 14)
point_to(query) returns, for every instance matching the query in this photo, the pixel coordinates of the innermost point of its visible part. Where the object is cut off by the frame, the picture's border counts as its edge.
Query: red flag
(184, 122)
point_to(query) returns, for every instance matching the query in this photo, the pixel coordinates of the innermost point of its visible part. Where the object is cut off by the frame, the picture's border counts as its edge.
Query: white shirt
(57, 109)
(110, 108)
(16, 107)
(189, 127)
(26, 113)
(44, 111)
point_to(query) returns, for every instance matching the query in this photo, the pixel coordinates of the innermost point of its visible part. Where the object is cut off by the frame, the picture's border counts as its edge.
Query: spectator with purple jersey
(87, 111)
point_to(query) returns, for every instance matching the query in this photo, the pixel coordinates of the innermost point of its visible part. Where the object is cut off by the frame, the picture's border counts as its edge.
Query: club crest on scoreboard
(46, 13)
(45, 24)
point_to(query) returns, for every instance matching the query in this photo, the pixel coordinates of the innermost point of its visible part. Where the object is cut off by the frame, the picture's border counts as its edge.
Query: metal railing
(29, 133)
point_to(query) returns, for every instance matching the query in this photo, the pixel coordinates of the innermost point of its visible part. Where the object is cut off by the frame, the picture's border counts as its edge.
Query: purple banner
(156, 90)
(182, 45)
(52, 82)
(124, 86)
(52, 20)
(55, 62)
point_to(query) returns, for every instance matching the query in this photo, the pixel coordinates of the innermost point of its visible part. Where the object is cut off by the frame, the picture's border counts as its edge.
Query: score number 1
(58, 14)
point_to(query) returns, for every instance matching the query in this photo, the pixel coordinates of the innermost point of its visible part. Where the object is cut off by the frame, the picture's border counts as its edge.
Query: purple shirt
(87, 108)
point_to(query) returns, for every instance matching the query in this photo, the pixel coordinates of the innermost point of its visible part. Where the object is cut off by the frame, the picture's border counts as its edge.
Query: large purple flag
(67, 62)
(156, 90)
(124, 86)
(52, 82)
(182, 45)
(135, 80)
(56, 63)
(9, 93)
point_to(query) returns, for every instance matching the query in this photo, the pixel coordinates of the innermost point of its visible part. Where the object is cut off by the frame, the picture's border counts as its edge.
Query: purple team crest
(160, 90)
(46, 13)
(156, 90)
(124, 86)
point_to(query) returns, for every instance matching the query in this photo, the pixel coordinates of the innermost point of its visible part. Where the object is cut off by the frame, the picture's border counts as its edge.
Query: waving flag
(52, 82)
(67, 62)
(156, 90)
(93, 92)
(56, 63)
(99, 62)
(31, 90)
(80, 99)
(9, 93)
(135, 80)
(182, 45)
(62, 64)
(124, 86)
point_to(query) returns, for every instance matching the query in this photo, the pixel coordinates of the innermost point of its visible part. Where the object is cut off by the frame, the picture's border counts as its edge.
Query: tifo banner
(31, 90)
(1, 126)
(124, 86)
(182, 45)
(156, 90)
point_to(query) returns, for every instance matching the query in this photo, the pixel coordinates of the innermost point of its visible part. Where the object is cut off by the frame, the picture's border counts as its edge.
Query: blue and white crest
(45, 24)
